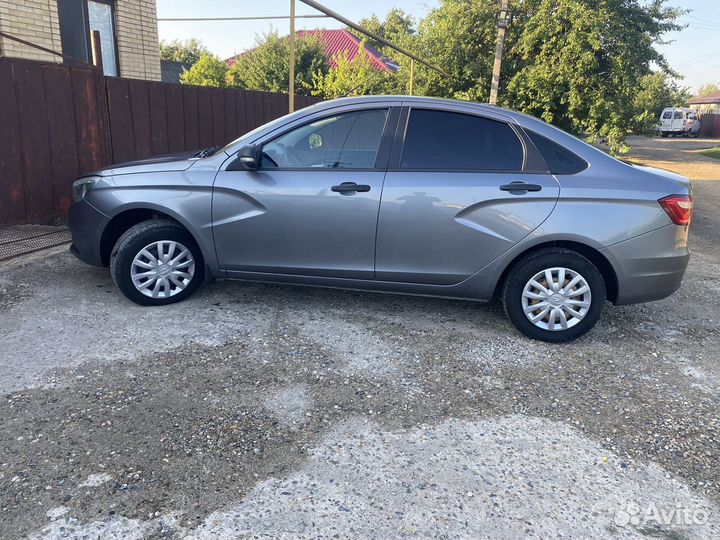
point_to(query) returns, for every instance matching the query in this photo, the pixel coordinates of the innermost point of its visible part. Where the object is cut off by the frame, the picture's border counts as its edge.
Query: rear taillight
(678, 207)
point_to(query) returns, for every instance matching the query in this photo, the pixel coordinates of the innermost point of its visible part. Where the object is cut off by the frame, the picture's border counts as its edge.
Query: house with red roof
(339, 41)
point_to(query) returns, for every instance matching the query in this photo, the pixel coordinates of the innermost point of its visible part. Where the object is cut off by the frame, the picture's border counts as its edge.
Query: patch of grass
(711, 152)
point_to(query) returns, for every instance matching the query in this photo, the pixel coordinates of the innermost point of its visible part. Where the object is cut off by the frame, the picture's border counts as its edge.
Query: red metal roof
(701, 100)
(339, 41)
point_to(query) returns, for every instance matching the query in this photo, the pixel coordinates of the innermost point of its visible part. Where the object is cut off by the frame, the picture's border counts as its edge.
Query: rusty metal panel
(121, 126)
(93, 139)
(61, 134)
(34, 141)
(12, 185)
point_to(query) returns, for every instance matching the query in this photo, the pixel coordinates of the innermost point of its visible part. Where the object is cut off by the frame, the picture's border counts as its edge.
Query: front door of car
(461, 189)
(311, 206)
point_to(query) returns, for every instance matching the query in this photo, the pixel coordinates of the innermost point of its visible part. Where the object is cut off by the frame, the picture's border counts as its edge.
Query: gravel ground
(257, 411)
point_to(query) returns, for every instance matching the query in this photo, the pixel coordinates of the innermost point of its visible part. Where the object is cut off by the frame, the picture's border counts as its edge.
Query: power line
(198, 19)
(373, 35)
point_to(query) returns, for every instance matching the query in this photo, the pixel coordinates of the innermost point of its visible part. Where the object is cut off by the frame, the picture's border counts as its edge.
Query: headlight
(82, 185)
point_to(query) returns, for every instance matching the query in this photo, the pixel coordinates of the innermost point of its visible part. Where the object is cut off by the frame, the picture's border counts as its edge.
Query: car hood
(171, 162)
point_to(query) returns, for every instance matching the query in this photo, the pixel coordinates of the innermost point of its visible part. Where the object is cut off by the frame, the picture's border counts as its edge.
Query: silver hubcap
(162, 269)
(556, 299)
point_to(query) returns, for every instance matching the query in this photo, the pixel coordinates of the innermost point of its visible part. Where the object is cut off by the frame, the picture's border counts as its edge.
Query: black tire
(526, 268)
(140, 236)
(664, 134)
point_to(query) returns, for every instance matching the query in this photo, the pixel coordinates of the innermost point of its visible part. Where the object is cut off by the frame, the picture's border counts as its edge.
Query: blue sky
(694, 52)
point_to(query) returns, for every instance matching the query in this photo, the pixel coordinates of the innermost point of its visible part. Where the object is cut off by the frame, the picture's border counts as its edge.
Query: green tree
(710, 88)
(579, 63)
(209, 70)
(655, 92)
(400, 29)
(351, 77)
(266, 67)
(187, 52)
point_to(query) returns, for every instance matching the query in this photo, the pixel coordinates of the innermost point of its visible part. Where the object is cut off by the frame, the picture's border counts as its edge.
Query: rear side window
(559, 159)
(667, 115)
(440, 140)
(678, 115)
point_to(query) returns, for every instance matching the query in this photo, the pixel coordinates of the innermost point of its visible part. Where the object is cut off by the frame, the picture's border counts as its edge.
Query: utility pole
(502, 24)
(291, 88)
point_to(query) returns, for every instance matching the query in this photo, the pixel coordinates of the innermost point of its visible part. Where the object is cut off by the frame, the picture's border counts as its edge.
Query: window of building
(78, 18)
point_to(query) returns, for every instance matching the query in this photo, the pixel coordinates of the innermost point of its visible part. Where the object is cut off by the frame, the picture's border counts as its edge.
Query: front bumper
(87, 224)
(650, 266)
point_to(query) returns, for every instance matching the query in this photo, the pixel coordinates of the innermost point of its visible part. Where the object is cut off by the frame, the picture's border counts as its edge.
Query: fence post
(97, 51)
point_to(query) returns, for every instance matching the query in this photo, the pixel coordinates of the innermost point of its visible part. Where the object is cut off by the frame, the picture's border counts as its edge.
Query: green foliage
(707, 89)
(711, 152)
(579, 63)
(656, 91)
(351, 77)
(209, 70)
(266, 67)
(187, 52)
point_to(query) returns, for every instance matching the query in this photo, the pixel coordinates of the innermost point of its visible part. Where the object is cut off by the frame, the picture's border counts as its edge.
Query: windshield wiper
(206, 152)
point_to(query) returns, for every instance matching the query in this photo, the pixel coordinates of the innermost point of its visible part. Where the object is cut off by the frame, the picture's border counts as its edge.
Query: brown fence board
(12, 186)
(158, 119)
(140, 112)
(34, 143)
(175, 118)
(61, 134)
(60, 121)
(91, 133)
(121, 126)
(190, 115)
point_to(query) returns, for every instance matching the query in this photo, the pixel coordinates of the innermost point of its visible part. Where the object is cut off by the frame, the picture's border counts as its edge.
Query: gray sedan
(396, 194)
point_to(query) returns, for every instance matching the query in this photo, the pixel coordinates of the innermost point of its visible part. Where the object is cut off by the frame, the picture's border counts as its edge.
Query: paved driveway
(282, 412)
(677, 154)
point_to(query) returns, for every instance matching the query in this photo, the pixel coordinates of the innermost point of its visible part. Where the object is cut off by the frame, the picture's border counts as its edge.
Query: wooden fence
(59, 121)
(710, 125)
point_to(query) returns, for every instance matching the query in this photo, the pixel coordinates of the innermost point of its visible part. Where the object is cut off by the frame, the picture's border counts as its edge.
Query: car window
(667, 115)
(559, 159)
(441, 140)
(344, 141)
(678, 115)
(691, 116)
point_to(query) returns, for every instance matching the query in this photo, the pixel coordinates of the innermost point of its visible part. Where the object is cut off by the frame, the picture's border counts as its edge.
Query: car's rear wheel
(157, 262)
(663, 134)
(554, 295)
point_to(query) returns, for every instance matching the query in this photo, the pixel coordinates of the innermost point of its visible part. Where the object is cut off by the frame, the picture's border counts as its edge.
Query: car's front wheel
(554, 295)
(157, 262)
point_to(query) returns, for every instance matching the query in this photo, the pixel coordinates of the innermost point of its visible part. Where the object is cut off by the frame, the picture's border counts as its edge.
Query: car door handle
(520, 187)
(347, 187)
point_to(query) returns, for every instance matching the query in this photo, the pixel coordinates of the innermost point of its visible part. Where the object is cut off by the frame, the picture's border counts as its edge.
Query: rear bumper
(650, 266)
(86, 227)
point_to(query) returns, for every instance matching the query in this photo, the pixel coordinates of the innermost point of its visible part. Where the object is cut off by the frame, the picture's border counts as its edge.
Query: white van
(679, 121)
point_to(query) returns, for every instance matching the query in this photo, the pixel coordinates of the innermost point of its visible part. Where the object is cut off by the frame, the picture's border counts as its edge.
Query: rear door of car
(462, 187)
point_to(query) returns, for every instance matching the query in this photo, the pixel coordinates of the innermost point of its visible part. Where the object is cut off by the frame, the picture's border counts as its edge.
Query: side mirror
(248, 159)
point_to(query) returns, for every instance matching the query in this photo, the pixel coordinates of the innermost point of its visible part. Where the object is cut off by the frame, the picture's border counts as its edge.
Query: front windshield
(229, 147)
